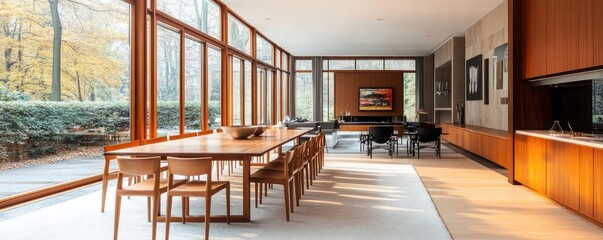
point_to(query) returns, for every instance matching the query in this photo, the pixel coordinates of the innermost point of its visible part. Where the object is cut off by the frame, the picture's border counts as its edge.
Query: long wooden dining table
(220, 146)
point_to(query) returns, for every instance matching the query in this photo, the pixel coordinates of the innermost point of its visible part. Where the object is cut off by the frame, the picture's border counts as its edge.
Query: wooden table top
(216, 144)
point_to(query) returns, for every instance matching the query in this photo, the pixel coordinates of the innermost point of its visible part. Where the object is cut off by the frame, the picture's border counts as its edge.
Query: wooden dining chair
(189, 167)
(155, 140)
(151, 187)
(184, 135)
(108, 160)
(201, 133)
(283, 177)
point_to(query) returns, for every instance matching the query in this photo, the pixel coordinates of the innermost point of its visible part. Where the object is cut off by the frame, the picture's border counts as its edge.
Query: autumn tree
(92, 54)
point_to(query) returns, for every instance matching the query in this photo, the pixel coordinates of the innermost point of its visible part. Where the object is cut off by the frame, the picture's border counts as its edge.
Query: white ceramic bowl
(260, 129)
(239, 132)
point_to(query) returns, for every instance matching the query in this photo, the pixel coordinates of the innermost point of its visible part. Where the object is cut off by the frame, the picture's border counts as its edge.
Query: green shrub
(37, 128)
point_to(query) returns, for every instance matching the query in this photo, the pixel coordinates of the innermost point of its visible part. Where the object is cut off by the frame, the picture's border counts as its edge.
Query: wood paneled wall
(482, 38)
(348, 83)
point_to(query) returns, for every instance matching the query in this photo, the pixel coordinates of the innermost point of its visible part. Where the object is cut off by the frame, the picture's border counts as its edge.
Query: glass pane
(277, 94)
(168, 82)
(200, 14)
(264, 50)
(400, 64)
(410, 96)
(193, 80)
(269, 93)
(285, 60)
(285, 94)
(278, 58)
(94, 91)
(235, 83)
(214, 85)
(303, 65)
(239, 35)
(325, 65)
(248, 90)
(328, 112)
(303, 95)
(342, 64)
(261, 91)
(369, 64)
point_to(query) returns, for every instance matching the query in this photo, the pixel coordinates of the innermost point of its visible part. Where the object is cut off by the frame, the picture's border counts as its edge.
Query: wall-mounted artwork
(376, 99)
(473, 79)
(487, 81)
(500, 63)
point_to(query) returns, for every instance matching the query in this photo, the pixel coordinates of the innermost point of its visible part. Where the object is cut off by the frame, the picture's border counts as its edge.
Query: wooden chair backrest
(129, 166)
(190, 166)
(154, 140)
(292, 158)
(201, 133)
(120, 146)
(181, 136)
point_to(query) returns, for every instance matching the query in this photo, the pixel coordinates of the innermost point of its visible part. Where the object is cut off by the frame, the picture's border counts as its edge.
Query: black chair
(427, 136)
(380, 138)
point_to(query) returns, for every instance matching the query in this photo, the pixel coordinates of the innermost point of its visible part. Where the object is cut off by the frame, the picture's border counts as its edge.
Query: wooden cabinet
(568, 173)
(563, 173)
(586, 181)
(598, 184)
(530, 162)
(535, 43)
(598, 32)
(560, 36)
(479, 142)
(569, 35)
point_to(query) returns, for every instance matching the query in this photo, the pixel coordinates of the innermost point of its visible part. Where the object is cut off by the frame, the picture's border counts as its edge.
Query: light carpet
(353, 198)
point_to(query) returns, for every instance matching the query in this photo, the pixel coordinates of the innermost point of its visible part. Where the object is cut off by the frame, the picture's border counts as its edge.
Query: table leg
(246, 189)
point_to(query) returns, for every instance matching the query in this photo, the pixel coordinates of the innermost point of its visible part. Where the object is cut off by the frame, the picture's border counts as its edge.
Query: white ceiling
(351, 28)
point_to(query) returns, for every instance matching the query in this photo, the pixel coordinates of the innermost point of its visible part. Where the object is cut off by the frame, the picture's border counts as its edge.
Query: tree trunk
(79, 87)
(55, 94)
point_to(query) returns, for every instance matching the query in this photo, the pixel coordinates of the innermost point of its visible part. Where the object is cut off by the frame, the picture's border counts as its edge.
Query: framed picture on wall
(375, 99)
(473, 78)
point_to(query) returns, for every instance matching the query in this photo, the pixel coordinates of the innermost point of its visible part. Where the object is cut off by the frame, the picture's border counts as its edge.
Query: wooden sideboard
(485, 142)
(567, 172)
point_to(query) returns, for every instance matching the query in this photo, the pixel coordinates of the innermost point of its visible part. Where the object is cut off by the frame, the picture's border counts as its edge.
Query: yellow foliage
(94, 55)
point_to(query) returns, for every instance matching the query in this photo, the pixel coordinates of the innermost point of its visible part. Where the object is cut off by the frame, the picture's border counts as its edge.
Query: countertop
(483, 130)
(586, 140)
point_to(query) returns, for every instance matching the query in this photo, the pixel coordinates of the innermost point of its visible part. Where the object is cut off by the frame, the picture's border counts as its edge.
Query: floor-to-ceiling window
(64, 86)
(81, 87)
(236, 78)
(193, 85)
(214, 87)
(168, 81)
(332, 65)
(303, 89)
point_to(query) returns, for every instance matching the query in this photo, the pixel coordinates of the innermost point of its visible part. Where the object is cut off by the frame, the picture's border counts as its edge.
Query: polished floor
(354, 198)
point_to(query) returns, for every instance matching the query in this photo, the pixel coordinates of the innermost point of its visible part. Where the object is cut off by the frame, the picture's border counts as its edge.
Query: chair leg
(116, 217)
(168, 214)
(155, 213)
(207, 214)
(291, 189)
(148, 209)
(256, 195)
(228, 204)
(286, 196)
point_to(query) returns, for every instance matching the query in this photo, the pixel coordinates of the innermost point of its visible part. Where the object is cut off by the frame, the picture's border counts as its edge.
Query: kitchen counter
(586, 140)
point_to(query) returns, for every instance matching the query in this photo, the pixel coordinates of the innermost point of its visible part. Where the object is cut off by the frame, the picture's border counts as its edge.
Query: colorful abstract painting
(376, 99)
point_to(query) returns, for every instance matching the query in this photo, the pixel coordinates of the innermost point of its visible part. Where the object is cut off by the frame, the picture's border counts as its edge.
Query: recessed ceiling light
(267, 19)
(380, 19)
